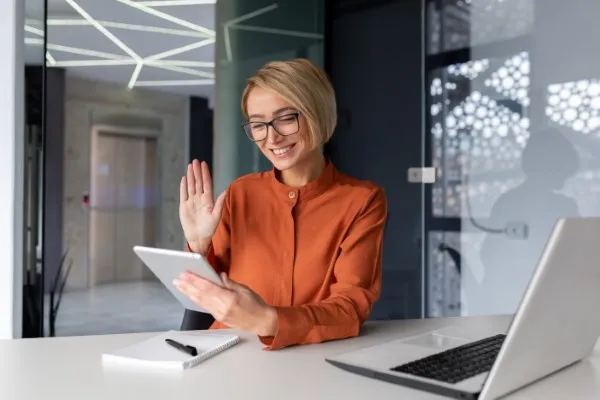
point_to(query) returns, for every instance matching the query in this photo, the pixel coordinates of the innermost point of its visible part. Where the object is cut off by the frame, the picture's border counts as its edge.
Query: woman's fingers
(183, 192)
(197, 177)
(218, 208)
(191, 182)
(197, 181)
(206, 180)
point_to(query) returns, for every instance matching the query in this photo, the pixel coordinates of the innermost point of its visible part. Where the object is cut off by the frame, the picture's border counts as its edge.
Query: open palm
(199, 212)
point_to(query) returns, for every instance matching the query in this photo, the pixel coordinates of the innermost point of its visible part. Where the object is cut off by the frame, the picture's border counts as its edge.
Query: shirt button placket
(290, 253)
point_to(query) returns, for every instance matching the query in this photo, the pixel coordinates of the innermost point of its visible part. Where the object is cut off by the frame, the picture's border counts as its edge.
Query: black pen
(182, 347)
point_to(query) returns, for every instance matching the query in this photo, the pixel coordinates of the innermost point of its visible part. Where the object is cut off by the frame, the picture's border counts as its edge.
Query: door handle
(422, 175)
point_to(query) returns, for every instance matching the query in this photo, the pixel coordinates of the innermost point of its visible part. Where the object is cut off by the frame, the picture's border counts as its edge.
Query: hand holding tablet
(167, 265)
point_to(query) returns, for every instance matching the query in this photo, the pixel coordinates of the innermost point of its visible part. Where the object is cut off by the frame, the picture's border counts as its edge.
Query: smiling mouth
(282, 150)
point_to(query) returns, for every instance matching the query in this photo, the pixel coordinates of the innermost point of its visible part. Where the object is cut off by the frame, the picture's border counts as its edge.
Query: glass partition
(34, 55)
(127, 83)
(513, 127)
(249, 34)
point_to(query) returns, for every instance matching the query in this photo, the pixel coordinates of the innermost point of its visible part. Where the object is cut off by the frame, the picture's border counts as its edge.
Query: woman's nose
(272, 136)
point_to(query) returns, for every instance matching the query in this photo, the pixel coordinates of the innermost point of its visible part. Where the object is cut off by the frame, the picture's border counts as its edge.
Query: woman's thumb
(229, 284)
(219, 203)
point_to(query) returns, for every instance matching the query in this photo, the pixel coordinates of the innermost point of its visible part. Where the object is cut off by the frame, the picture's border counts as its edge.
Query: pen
(182, 347)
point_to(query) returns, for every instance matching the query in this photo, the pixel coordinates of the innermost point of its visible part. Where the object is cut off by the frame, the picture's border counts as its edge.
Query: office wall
(12, 90)
(90, 102)
(379, 92)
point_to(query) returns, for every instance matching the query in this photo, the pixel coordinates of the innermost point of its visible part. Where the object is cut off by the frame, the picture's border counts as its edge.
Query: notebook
(155, 352)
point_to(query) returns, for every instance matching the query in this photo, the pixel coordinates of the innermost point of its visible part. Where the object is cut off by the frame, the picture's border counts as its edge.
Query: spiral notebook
(155, 352)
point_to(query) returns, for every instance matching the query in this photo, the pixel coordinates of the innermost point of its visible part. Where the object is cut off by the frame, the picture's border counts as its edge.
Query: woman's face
(287, 148)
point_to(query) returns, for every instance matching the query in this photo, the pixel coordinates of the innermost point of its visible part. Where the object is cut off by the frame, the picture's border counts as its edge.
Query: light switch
(422, 175)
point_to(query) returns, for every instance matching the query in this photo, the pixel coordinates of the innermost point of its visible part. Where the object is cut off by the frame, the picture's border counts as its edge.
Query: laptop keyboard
(458, 363)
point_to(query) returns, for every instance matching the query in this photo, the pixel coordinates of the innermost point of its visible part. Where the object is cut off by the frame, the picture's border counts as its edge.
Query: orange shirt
(314, 252)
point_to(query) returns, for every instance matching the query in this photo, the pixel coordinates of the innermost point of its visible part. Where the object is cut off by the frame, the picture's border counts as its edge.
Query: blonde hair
(306, 87)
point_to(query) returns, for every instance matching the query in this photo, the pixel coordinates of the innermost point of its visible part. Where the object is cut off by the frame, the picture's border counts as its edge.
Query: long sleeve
(356, 287)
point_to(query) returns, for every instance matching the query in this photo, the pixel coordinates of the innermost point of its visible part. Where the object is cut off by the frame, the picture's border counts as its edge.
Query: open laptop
(557, 324)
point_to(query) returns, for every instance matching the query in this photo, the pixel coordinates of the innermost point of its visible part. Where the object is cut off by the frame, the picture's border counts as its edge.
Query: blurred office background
(501, 98)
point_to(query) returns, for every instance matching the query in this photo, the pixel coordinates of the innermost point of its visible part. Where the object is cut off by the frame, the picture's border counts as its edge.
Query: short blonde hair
(306, 87)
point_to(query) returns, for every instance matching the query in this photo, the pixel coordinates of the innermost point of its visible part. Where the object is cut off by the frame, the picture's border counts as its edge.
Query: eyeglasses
(284, 125)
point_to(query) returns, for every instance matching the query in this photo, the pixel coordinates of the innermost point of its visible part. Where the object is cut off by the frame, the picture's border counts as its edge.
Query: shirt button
(292, 195)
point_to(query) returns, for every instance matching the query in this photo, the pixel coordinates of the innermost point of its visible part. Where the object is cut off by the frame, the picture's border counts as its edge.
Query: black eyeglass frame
(272, 125)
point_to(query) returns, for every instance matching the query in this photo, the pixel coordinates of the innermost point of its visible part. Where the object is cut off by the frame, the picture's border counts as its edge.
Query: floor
(144, 306)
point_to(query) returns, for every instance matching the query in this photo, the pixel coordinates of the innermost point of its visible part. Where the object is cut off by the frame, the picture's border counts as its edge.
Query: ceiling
(164, 44)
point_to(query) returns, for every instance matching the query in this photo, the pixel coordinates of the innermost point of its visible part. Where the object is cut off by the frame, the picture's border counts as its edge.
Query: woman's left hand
(234, 305)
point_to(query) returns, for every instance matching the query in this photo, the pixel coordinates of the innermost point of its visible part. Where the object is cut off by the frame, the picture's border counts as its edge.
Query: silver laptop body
(557, 324)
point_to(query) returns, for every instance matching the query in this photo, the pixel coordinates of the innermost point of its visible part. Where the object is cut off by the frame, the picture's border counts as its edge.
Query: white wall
(11, 166)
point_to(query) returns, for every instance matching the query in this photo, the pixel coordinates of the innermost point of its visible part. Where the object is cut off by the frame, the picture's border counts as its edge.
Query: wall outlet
(516, 230)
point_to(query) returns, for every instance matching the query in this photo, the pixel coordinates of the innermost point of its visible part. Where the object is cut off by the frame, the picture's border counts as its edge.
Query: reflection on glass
(455, 24)
(514, 128)
(479, 126)
(131, 81)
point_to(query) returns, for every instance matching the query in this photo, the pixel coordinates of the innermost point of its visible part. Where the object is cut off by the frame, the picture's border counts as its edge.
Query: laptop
(556, 324)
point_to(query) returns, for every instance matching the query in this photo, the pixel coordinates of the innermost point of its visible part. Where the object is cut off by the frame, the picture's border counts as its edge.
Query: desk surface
(71, 368)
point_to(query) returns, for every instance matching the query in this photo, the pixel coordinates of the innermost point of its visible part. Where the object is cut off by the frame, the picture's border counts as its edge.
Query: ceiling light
(34, 41)
(275, 31)
(176, 66)
(189, 71)
(92, 63)
(185, 63)
(171, 3)
(103, 30)
(180, 50)
(252, 14)
(167, 17)
(239, 19)
(120, 25)
(85, 52)
(76, 50)
(50, 59)
(177, 83)
(35, 31)
(135, 75)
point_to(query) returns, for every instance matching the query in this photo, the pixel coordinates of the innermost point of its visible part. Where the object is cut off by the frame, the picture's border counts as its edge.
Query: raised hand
(199, 212)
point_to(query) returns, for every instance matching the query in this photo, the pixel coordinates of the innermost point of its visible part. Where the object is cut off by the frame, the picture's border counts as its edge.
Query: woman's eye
(256, 127)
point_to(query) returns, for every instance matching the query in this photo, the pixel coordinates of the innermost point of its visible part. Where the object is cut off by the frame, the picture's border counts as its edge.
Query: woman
(299, 247)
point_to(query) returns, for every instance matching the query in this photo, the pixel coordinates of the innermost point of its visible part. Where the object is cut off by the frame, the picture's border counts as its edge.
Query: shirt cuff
(290, 329)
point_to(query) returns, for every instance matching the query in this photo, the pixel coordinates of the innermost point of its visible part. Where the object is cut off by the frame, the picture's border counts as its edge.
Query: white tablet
(169, 264)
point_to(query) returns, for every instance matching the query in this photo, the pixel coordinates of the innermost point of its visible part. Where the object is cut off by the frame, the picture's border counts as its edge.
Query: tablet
(169, 264)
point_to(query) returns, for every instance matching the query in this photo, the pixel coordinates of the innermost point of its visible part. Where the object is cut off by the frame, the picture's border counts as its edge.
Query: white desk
(71, 368)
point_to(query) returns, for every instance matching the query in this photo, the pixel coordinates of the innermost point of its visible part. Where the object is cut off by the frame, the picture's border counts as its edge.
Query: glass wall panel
(34, 55)
(127, 83)
(249, 34)
(513, 95)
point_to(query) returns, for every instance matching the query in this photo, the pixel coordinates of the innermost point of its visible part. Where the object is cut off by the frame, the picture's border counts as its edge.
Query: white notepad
(156, 352)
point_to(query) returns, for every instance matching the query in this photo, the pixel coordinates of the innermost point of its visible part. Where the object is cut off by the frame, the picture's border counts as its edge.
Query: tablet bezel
(167, 265)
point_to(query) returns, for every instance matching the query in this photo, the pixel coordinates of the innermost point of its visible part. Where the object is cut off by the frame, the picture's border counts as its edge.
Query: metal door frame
(135, 133)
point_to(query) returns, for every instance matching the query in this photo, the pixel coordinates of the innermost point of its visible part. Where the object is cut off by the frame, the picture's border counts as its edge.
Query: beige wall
(89, 103)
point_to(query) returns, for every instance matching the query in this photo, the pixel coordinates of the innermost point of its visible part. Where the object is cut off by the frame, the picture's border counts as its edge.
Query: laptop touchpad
(432, 340)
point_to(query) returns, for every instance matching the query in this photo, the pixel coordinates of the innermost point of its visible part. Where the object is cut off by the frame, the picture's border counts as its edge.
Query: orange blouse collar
(309, 191)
